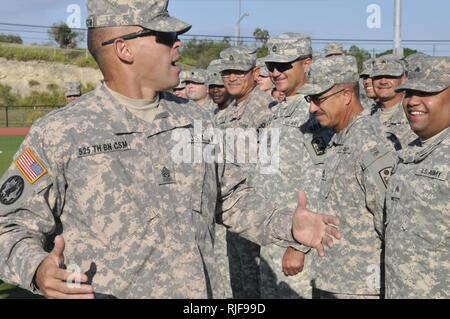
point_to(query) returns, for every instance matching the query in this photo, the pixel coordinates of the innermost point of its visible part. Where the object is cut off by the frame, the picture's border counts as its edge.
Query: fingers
(302, 200)
(58, 250)
(320, 250)
(331, 220)
(70, 289)
(64, 275)
(332, 232)
(328, 241)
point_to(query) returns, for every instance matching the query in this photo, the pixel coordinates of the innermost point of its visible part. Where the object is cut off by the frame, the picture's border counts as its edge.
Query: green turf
(8, 147)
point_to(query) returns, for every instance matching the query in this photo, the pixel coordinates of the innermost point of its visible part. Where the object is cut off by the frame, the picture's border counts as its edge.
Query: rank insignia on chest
(166, 176)
(30, 166)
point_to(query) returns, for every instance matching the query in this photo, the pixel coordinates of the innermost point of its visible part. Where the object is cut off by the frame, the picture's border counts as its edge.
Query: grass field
(8, 147)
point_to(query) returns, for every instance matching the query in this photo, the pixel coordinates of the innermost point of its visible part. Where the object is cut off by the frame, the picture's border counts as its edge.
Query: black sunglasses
(281, 66)
(166, 38)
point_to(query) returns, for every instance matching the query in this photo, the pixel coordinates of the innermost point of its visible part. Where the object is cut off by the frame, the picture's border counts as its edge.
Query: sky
(322, 19)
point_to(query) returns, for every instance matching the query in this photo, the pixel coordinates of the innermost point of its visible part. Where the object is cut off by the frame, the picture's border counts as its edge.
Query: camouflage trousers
(222, 288)
(243, 256)
(322, 294)
(275, 284)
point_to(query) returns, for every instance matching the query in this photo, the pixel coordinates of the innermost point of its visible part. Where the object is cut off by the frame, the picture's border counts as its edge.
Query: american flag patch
(30, 167)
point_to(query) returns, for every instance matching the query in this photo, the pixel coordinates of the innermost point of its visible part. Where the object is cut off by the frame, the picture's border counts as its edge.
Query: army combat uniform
(137, 219)
(417, 202)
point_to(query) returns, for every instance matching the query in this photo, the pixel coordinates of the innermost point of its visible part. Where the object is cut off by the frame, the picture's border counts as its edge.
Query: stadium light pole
(238, 25)
(398, 50)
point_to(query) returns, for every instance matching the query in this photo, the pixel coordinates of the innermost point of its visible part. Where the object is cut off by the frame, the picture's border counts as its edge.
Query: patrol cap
(181, 85)
(431, 76)
(387, 65)
(413, 60)
(263, 68)
(324, 73)
(196, 75)
(213, 70)
(72, 89)
(149, 14)
(288, 47)
(367, 68)
(333, 48)
(237, 58)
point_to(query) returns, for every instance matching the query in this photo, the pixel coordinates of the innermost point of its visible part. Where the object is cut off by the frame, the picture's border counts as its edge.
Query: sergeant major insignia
(166, 176)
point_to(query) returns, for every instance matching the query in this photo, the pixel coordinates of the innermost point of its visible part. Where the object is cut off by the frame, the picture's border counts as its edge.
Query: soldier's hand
(314, 229)
(57, 283)
(292, 261)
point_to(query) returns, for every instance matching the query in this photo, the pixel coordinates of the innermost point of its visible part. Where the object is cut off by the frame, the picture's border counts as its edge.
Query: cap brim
(239, 67)
(278, 58)
(421, 86)
(386, 73)
(168, 24)
(314, 88)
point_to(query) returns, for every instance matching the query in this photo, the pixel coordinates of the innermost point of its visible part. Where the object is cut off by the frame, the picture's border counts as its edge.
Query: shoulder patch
(11, 190)
(30, 166)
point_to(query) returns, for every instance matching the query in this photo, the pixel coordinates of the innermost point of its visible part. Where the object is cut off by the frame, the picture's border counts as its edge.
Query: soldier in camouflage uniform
(197, 89)
(249, 110)
(137, 218)
(368, 96)
(417, 257)
(333, 49)
(264, 81)
(302, 142)
(357, 165)
(216, 88)
(73, 91)
(180, 89)
(388, 72)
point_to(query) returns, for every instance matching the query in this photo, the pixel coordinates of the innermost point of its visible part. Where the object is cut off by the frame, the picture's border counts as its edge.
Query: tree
(360, 54)
(9, 38)
(406, 52)
(261, 36)
(65, 36)
(199, 53)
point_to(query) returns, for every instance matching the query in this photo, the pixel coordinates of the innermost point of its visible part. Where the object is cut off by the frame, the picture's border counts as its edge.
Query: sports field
(8, 147)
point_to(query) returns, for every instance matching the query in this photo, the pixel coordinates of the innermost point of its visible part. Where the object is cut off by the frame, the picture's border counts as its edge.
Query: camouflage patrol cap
(263, 68)
(414, 60)
(213, 70)
(72, 89)
(387, 65)
(197, 76)
(333, 48)
(149, 14)
(288, 47)
(431, 76)
(324, 73)
(367, 68)
(181, 85)
(237, 58)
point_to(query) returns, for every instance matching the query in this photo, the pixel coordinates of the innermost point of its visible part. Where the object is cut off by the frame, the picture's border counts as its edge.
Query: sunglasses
(166, 38)
(318, 100)
(281, 66)
(237, 73)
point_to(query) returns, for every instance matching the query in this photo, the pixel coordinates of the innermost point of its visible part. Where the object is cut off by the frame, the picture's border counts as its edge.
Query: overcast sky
(335, 19)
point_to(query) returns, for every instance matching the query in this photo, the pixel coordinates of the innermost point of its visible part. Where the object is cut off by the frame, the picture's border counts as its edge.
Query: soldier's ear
(123, 51)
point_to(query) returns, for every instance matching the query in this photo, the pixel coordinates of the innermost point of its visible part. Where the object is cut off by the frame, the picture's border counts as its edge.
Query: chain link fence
(23, 116)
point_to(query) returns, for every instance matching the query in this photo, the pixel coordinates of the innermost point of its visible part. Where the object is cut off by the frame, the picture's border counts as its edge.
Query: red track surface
(14, 131)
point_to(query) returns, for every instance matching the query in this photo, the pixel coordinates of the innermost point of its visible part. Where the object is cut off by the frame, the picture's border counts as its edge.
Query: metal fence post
(6, 113)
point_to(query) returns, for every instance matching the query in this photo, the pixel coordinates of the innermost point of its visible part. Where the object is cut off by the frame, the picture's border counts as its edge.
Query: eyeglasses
(316, 100)
(237, 73)
(166, 38)
(281, 66)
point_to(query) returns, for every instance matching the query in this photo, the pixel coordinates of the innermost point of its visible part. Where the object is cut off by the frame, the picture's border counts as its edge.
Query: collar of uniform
(124, 122)
(399, 117)
(340, 137)
(418, 154)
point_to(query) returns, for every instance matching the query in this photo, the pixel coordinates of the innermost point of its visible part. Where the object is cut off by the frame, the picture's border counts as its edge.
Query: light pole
(398, 50)
(238, 25)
